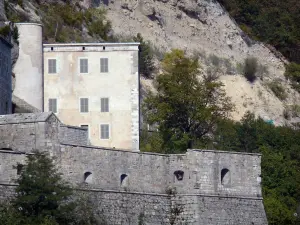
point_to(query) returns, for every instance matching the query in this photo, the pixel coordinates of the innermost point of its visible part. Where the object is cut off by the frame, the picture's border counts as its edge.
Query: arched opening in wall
(88, 177)
(225, 176)
(179, 175)
(124, 180)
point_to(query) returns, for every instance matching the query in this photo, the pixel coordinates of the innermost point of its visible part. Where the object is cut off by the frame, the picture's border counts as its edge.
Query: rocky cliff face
(203, 28)
(2, 11)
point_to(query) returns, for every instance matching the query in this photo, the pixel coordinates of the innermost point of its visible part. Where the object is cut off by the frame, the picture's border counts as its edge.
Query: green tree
(186, 107)
(41, 193)
(146, 63)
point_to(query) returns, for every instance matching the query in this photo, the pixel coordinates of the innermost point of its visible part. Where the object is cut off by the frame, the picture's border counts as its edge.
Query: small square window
(104, 131)
(104, 105)
(52, 66)
(84, 105)
(84, 66)
(104, 65)
(53, 105)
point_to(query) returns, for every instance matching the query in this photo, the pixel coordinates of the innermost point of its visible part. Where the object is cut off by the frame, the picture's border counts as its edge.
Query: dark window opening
(19, 169)
(83, 48)
(179, 174)
(225, 176)
(103, 47)
(51, 48)
(88, 177)
(123, 176)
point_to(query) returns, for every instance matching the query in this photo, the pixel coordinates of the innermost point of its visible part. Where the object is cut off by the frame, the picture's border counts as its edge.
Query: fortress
(199, 187)
(123, 186)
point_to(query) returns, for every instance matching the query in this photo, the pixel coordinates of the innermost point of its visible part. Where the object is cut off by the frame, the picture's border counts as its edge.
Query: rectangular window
(104, 65)
(84, 66)
(84, 105)
(104, 131)
(104, 105)
(51, 65)
(53, 105)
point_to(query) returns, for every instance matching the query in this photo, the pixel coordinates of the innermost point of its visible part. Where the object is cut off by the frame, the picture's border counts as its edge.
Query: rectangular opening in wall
(52, 105)
(104, 131)
(51, 66)
(84, 66)
(85, 127)
(104, 104)
(84, 105)
(104, 65)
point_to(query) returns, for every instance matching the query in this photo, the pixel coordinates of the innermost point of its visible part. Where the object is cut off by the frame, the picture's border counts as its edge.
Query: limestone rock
(2, 11)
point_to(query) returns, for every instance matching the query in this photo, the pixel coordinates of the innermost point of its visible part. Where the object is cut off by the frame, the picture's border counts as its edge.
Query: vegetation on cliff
(188, 111)
(271, 21)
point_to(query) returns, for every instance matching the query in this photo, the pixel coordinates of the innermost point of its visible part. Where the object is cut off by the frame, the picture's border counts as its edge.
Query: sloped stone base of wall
(130, 208)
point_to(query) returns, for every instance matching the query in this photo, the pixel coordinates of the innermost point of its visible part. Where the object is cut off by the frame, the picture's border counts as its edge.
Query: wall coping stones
(25, 118)
(74, 127)
(222, 151)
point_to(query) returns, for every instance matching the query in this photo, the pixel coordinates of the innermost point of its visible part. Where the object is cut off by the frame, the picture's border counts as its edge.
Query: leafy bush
(292, 72)
(250, 69)
(4, 31)
(278, 90)
(272, 21)
(146, 57)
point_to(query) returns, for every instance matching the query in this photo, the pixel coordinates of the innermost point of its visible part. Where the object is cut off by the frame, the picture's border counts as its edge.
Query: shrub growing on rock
(250, 69)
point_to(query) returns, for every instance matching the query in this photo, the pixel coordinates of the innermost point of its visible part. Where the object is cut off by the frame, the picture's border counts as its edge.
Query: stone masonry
(199, 187)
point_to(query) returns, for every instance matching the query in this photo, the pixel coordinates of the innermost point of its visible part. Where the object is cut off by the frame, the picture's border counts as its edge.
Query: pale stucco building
(90, 85)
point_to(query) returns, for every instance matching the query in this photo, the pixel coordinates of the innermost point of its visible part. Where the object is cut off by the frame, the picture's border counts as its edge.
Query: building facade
(5, 77)
(95, 86)
(28, 69)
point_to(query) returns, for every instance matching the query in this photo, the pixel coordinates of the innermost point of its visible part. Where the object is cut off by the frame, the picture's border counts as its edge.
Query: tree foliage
(280, 147)
(185, 107)
(272, 21)
(43, 198)
(146, 64)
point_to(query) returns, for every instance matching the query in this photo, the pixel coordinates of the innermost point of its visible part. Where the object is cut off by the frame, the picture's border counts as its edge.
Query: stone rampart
(199, 187)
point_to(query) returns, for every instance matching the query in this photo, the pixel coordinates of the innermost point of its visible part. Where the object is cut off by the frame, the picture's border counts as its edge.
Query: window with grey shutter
(104, 131)
(84, 66)
(53, 105)
(104, 65)
(51, 65)
(84, 105)
(104, 105)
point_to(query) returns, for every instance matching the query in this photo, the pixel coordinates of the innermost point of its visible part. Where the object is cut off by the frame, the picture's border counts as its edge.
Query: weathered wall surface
(120, 85)
(29, 66)
(5, 77)
(73, 135)
(125, 187)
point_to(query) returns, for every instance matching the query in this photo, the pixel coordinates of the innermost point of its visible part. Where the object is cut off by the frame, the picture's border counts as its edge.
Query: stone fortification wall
(73, 135)
(199, 187)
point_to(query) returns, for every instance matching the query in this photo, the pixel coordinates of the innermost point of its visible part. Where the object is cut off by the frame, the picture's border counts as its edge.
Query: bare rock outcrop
(2, 11)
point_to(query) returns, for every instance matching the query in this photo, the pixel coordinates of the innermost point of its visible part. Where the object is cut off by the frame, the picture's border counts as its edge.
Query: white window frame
(79, 68)
(107, 65)
(101, 104)
(86, 124)
(79, 103)
(56, 105)
(56, 67)
(109, 132)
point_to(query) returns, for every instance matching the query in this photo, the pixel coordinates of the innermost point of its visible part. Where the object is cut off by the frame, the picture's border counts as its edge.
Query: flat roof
(92, 44)
(36, 24)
